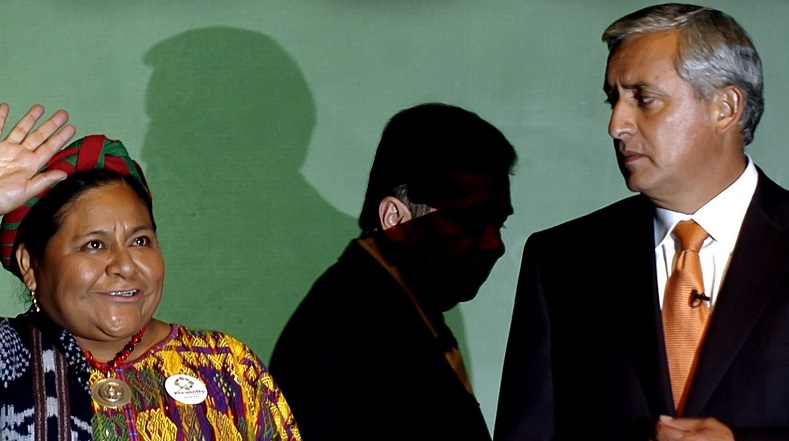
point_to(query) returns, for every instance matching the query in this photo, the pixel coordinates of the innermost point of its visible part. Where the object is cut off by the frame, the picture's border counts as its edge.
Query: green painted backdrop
(257, 120)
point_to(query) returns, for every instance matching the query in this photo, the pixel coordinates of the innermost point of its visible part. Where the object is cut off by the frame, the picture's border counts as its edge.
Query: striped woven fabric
(90, 152)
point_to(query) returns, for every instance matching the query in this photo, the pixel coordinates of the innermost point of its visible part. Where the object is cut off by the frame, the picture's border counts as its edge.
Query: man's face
(663, 132)
(450, 252)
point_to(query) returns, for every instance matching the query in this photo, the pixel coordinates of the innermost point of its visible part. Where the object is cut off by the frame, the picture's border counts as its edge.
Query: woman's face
(102, 273)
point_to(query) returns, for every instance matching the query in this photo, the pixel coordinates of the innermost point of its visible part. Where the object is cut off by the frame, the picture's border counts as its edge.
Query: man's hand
(692, 429)
(23, 153)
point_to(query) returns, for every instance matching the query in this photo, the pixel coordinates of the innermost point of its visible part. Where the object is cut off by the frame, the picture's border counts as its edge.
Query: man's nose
(622, 123)
(491, 242)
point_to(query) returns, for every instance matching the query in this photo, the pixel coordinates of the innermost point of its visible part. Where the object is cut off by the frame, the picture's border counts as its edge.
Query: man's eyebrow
(611, 91)
(636, 86)
(639, 85)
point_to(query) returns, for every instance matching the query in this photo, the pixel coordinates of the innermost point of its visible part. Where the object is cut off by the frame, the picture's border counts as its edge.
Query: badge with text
(186, 389)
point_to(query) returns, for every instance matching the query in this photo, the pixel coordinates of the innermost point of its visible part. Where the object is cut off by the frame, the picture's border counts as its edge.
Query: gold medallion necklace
(112, 392)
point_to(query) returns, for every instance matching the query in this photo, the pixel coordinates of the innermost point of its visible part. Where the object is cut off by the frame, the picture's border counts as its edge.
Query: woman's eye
(94, 245)
(142, 241)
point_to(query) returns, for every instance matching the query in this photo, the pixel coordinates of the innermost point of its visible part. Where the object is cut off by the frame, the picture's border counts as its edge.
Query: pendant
(111, 392)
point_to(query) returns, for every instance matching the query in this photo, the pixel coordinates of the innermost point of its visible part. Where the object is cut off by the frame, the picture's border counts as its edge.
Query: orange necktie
(685, 312)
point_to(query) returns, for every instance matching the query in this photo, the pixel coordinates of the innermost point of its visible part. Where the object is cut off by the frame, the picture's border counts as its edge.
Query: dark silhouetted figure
(367, 355)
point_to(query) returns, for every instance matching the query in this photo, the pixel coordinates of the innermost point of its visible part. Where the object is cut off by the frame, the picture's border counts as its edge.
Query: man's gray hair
(714, 52)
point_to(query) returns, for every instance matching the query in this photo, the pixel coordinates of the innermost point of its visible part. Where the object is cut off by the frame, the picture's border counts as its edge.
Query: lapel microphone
(696, 298)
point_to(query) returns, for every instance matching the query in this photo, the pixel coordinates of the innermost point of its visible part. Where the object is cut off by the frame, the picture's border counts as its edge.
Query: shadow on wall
(244, 235)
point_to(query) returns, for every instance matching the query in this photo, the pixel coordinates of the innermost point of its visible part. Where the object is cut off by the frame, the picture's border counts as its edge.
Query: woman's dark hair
(46, 217)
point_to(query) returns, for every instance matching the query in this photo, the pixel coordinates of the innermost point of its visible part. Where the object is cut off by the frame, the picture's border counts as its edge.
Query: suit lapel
(759, 264)
(640, 309)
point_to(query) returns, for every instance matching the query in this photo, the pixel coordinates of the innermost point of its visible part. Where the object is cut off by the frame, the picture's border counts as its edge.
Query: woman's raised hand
(24, 151)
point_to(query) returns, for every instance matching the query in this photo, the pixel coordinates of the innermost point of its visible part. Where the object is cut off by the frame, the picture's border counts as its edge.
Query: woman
(88, 360)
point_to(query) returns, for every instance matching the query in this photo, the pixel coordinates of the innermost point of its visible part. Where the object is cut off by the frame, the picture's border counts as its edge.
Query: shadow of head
(244, 235)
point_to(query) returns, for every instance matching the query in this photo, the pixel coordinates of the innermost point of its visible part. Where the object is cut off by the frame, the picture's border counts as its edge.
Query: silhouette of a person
(244, 234)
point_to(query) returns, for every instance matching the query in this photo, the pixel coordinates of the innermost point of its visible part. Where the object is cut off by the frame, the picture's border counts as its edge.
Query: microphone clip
(696, 298)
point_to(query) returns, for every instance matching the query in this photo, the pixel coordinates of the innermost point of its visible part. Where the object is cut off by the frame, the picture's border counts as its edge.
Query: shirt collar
(721, 217)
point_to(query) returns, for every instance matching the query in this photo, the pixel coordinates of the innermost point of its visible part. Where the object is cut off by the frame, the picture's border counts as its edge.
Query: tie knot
(690, 235)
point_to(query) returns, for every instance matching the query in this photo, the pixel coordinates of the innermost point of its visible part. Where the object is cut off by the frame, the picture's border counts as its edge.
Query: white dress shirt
(722, 218)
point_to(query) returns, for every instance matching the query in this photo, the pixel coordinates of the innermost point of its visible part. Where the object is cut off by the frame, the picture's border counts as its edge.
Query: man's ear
(729, 106)
(26, 267)
(392, 212)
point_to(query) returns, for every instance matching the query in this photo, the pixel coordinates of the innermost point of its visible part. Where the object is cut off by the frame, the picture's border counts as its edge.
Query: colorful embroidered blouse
(241, 400)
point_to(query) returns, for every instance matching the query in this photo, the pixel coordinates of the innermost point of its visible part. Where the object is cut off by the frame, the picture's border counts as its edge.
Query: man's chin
(447, 303)
(464, 294)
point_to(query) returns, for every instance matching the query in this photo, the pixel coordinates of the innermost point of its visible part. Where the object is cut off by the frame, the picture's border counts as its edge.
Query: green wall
(256, 122)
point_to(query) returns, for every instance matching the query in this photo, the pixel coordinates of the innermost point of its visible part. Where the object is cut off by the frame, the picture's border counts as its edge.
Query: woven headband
(88, 153)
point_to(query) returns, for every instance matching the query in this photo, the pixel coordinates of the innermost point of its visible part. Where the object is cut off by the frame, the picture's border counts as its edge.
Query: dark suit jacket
(357, 362)
(585, 352)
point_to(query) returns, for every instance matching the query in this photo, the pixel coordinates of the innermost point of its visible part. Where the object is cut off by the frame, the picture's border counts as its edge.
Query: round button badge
(186, 389)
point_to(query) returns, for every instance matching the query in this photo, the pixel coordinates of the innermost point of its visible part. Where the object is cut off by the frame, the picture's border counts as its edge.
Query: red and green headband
(88, 153)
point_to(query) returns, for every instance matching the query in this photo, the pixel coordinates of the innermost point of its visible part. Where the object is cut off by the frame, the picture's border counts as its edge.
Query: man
(367, 355)
(592, 345)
